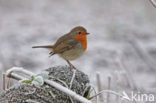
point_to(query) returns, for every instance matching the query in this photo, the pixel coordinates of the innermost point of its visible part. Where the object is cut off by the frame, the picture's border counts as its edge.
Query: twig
(85, 90)
(61, 81)
(116, 85)
(8, 83)
(19, 69)
(99, 85)
(52, 95)
(71, 82)
(153, 3)
(106, 91)
(3, 81)
(93, 89)
(109, 83)
(51, 83)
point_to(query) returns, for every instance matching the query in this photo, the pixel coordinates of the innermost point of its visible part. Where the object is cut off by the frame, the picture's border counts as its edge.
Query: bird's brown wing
(61, 39)
(65, 46)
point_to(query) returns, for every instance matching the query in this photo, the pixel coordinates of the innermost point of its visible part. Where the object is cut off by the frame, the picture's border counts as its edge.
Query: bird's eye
(79, 33)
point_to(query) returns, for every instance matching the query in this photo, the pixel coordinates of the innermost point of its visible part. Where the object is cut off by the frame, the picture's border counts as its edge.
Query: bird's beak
(87, 33)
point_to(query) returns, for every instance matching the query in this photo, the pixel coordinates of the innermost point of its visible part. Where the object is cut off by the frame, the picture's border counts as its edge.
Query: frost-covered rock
(23, 93)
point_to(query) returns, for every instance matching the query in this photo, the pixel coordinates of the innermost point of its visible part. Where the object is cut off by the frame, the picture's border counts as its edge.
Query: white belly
(73, 53)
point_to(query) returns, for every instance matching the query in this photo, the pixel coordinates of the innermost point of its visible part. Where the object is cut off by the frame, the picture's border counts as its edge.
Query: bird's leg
(70, 64)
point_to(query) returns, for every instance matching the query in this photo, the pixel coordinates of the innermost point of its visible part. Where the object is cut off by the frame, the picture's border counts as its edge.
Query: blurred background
(121, 44)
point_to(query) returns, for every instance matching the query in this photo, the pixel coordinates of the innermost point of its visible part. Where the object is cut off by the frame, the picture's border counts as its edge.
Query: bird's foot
(51, 54)
(73, 67)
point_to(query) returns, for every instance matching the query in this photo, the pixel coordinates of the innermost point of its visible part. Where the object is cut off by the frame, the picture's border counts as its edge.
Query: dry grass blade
(109, 84)
(115, 76)
(71, 83)
(93, 89)
(106, 91)
(8, 83)
(127, 74)
(99, 86)
(3, 81)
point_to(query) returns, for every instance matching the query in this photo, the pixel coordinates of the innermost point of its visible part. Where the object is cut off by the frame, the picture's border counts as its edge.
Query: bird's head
(79, 33)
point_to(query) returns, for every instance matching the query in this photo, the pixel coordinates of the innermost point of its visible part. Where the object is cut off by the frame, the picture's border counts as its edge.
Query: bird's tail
(51, 47)
(44, 46)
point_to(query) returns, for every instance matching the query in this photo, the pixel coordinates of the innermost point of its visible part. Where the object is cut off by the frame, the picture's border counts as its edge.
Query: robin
(70, 46)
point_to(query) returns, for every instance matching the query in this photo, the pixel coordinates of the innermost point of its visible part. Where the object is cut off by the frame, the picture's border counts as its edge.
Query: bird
(70, 46)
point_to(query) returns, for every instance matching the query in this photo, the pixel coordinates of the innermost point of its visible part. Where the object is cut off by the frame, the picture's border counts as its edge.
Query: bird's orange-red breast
(70, 46)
